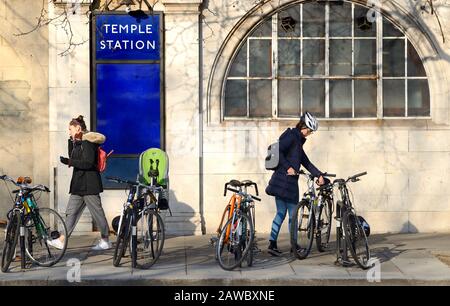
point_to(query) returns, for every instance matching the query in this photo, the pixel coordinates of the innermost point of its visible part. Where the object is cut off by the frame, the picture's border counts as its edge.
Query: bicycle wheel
(356, 239)
(249, 238)
(41, 225)
(11, 237)
(150, 239)
(232, 249)
(324, 226)
(123, 238)
(215, 240)
(302, 229)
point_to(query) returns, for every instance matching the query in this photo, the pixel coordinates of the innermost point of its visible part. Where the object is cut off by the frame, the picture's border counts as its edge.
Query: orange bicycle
(235, 239)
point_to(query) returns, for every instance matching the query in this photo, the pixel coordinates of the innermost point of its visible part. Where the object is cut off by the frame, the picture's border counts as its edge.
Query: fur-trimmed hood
(94, 137)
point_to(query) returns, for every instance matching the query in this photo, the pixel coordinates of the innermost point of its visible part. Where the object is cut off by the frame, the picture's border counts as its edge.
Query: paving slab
(190, 260)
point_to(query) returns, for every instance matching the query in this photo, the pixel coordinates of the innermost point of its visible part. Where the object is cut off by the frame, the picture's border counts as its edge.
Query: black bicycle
(350, 233)
(141, 227)
(311, 219)
(33, 227)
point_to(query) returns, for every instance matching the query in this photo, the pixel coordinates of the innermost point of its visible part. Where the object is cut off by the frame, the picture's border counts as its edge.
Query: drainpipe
(200, 118)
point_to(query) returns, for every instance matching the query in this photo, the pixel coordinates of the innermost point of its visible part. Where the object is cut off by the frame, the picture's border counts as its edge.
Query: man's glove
(64, 160)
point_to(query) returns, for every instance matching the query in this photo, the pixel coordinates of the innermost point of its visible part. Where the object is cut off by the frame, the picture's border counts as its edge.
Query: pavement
(404, 259)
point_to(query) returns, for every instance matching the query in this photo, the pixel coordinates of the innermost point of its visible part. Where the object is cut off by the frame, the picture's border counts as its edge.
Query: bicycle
(32, 226)
(311, 219)
(236, 239)
(350, 234)
(141, 227)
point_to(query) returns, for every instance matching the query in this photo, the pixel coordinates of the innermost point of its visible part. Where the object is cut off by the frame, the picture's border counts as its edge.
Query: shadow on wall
(408, 227)
(180, 222)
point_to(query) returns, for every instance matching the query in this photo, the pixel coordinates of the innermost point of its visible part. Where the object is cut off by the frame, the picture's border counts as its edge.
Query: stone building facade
(407, 157)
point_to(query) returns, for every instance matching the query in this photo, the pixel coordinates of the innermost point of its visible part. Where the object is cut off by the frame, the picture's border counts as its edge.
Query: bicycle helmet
(310, 121)
(115, 223)
(365, 225)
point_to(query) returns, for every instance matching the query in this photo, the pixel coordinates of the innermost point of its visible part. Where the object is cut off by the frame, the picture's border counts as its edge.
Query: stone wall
(407, 161)
(24, 141)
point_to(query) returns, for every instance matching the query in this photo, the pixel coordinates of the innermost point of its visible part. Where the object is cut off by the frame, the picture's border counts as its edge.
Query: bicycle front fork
(341, 243)
(134, 238)
(22, 247)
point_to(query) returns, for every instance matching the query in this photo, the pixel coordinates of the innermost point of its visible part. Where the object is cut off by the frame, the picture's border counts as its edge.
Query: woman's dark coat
(291, 155)
(83, 158)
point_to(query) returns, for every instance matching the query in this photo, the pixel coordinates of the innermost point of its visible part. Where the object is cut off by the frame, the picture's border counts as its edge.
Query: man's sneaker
(273, 249)
(102, 245)
(56, 243)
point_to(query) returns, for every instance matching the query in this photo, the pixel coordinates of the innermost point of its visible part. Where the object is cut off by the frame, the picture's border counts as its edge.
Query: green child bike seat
(154, 162)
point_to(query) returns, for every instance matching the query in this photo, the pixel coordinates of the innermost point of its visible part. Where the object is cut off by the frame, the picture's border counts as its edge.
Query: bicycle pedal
(213, 240)
(343, 263)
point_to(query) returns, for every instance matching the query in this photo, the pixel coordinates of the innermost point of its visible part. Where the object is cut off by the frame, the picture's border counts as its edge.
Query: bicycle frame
(134, 196)
(234, 205)
(26, 205)
(236, 229)
(311, 197)
(342, 205)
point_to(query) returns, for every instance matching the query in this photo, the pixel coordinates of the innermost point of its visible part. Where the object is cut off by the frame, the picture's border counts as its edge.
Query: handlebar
(237, 191)
(301, 172)
(25, 186)
(119, 180)
(225, 189)
(132, 183)
(256, 188)
(245, 183)
(354, 177)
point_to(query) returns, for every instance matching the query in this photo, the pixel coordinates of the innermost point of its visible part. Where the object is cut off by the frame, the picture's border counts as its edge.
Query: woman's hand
(64, 160)
(291, 171)
(320, 181)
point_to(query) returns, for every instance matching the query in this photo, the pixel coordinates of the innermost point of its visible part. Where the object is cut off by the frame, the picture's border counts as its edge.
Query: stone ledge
(184, 7)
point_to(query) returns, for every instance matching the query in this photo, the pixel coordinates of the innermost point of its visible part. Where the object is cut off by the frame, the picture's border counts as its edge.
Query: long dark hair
(79, 121)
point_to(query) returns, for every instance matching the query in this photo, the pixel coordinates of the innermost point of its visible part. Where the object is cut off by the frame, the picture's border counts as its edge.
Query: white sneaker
(56, 243)
(102, 245)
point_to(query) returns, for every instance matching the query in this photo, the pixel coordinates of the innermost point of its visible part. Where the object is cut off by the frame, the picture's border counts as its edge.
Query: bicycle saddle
(236, 183)
(247, 183)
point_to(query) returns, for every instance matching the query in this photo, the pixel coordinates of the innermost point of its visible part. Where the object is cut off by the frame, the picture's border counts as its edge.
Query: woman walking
(283, 184)
(86, 184)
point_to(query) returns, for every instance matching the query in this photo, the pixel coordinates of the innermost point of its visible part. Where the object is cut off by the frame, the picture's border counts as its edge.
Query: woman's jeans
(282, 208)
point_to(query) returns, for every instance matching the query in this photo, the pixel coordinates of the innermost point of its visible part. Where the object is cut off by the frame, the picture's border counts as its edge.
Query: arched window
(331, 59)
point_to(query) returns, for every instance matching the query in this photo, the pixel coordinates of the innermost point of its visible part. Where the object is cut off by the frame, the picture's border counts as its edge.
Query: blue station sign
(124, 37)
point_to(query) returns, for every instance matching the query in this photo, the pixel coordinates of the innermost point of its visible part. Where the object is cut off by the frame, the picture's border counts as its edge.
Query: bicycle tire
(234, 244)
(123, 237)
(49, 221)
(225, 215)
(354, 234)
(12, 235)
(302, 235)
(150, 239)
(324, 227)
(250, 255)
